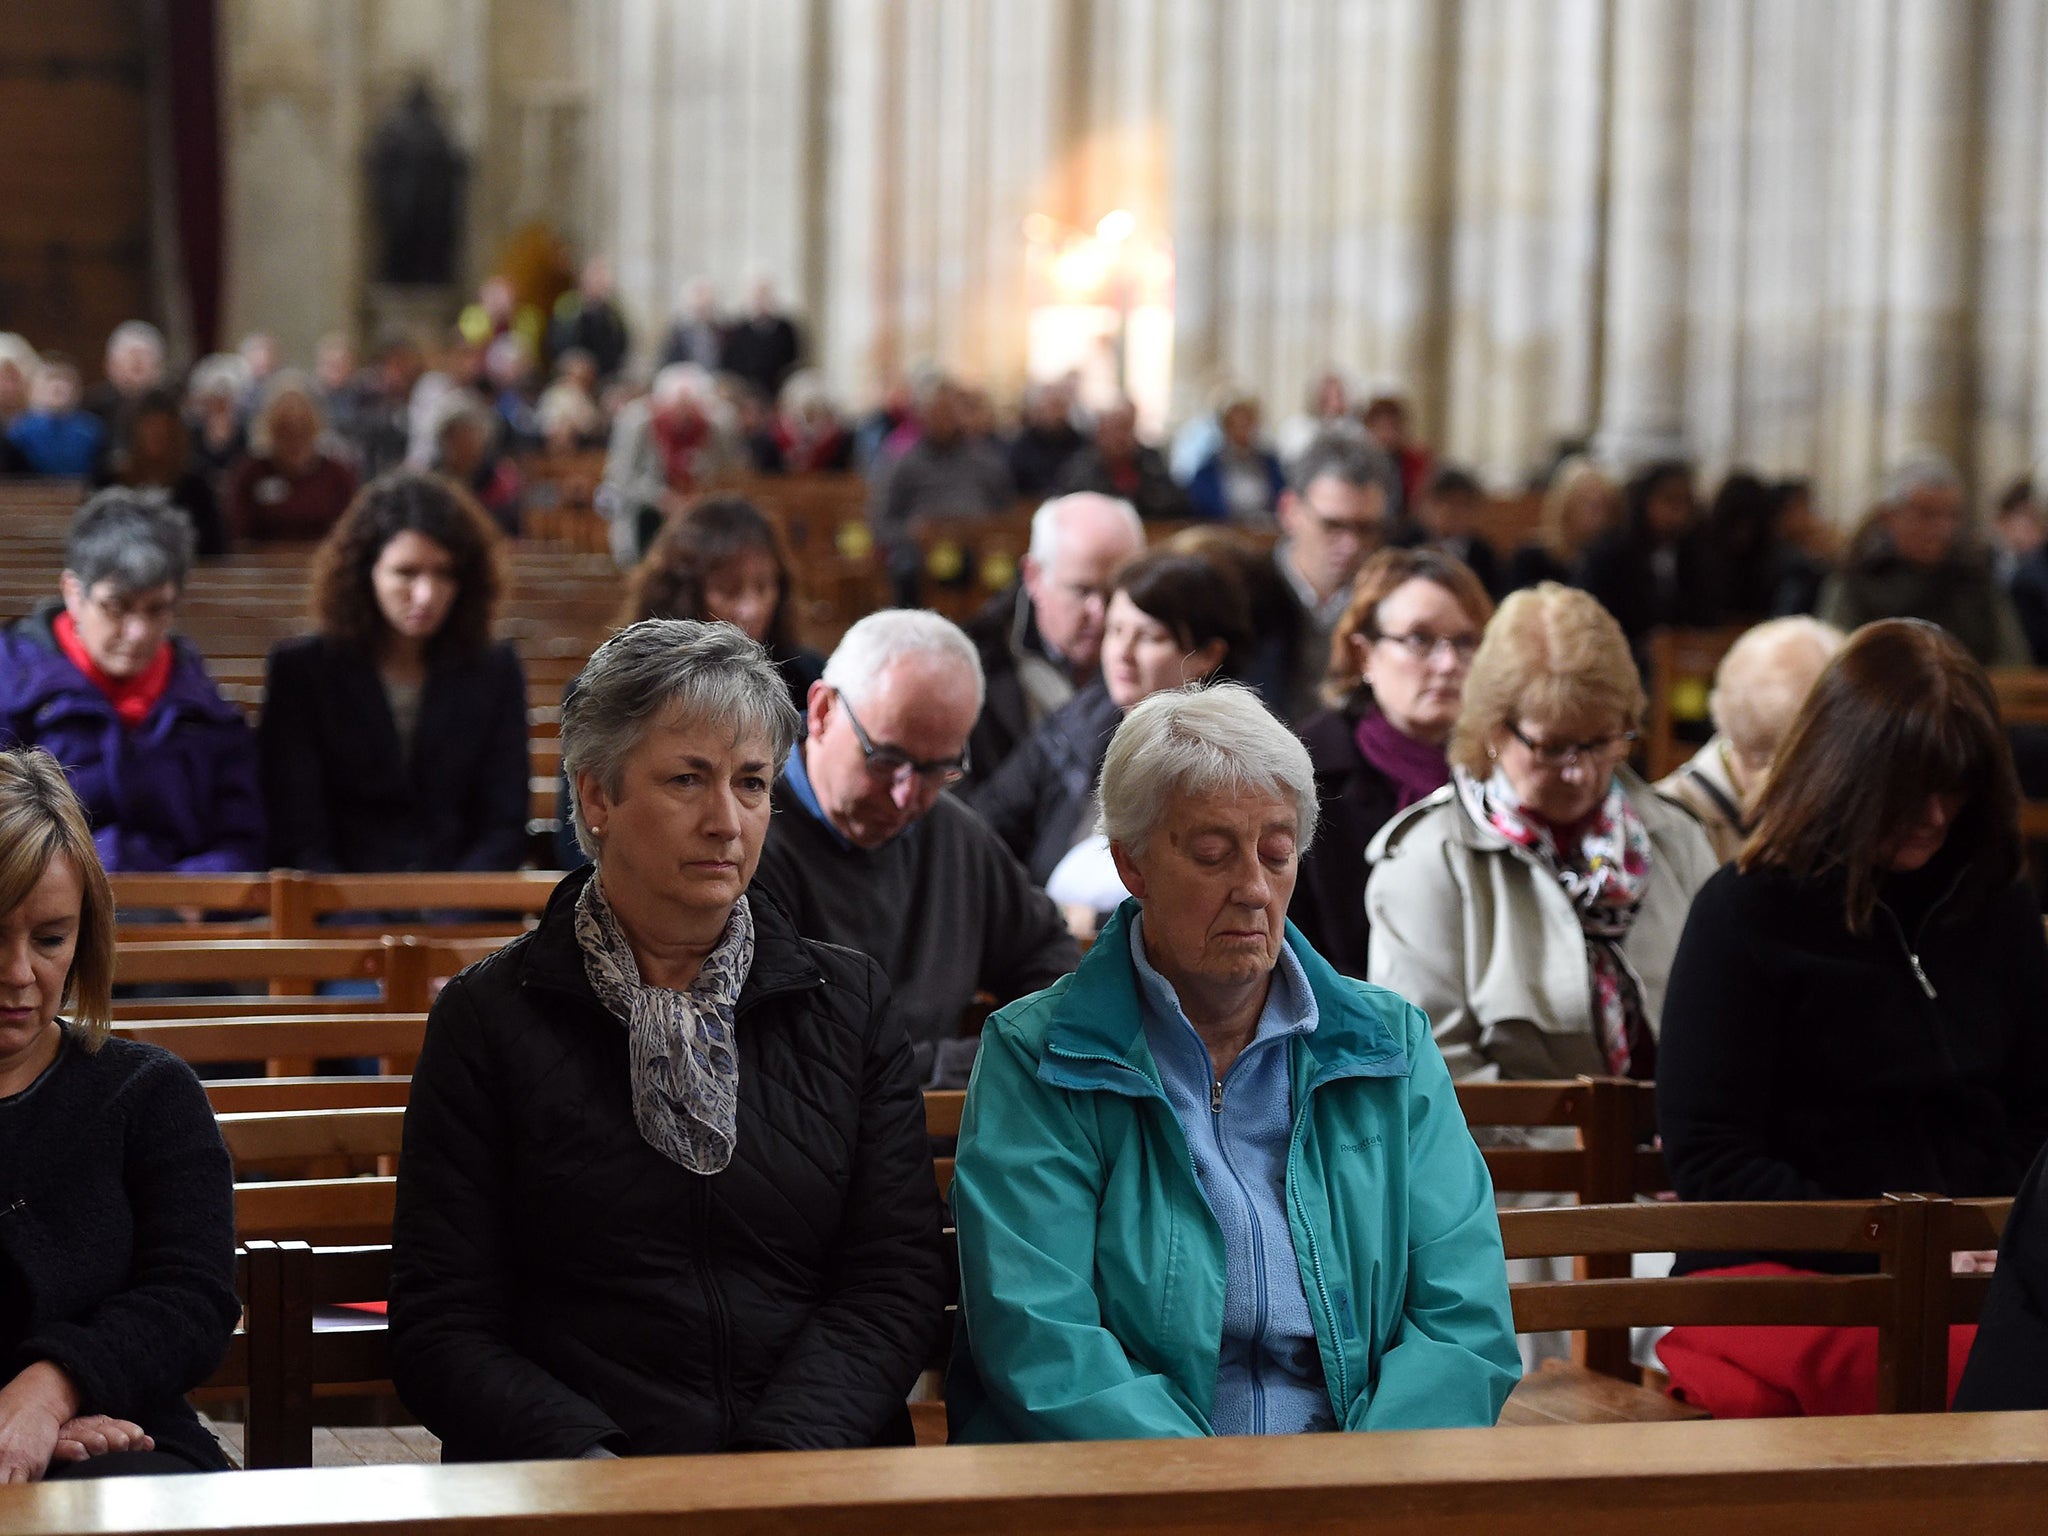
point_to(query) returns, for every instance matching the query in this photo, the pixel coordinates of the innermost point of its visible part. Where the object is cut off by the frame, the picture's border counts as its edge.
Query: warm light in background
(1101, 309)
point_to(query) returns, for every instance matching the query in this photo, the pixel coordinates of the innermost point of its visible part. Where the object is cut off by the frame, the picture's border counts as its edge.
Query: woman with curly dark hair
(394, 737)
(718, 560)
(721, 559)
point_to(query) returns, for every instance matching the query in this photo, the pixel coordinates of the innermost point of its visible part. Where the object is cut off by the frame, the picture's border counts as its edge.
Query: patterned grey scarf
(686, 1066)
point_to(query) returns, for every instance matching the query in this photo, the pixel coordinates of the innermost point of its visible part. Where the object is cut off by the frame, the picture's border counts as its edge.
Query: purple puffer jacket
(179, 792)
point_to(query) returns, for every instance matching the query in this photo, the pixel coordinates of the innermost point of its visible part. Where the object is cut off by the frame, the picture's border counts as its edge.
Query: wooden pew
(292, 904)
(1893, 1231)
(277, 1040)
(1899, 1476)
(406, 969)
(1682, 663)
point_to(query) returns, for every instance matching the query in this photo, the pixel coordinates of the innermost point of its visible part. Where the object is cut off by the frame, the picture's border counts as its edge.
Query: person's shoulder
(135, 1072)
(1430, 823)
(1026, 1023)
(302, 654)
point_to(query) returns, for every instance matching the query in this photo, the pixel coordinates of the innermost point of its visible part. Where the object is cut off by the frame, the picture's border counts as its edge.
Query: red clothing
(1783, 1372)
(262, 502)
(132, 697)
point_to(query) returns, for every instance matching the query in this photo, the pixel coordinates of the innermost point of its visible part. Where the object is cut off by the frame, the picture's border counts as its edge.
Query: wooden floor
(368, 1445)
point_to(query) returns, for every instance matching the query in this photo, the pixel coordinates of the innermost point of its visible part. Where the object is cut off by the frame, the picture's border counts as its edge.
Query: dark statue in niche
(416, 185)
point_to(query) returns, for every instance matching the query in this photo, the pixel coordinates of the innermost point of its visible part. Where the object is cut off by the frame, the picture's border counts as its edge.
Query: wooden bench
(1899, 1476)
(1893, 1231)
(405, 968)
(1682, 665)
(291, 904)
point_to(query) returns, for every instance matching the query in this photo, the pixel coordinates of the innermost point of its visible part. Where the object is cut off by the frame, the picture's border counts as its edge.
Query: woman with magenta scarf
(1398, 661)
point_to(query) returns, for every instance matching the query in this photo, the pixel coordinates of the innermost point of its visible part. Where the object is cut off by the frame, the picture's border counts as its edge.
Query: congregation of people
(1268, 802)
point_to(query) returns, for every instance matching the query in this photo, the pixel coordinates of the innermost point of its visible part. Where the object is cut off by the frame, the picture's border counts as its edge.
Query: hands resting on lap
(40, 1424)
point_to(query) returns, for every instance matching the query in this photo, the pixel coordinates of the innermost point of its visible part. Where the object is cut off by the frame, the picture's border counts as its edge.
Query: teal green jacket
(1091, 1269)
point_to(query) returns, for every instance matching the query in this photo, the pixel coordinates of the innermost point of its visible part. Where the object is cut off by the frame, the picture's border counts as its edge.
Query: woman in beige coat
(1533, 906)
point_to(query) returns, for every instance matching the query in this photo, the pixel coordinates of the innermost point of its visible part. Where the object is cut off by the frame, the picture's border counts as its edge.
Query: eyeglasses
(1561, 754)
(1423, 646)
(892, 766)
(120, 611)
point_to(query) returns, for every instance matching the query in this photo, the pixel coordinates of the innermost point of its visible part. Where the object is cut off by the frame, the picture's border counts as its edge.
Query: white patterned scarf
(686, 1065)
(1605, 873)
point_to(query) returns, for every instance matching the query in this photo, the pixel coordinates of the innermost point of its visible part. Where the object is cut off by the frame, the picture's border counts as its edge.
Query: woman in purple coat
(165, 766)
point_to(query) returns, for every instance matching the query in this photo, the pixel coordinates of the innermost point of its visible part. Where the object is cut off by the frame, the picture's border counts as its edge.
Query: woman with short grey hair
(165, 766)
(1207, 1185)
(665, 1184)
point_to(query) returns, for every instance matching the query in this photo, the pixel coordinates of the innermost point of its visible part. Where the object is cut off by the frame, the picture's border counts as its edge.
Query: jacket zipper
(1260, 1301)
(721, 1375)
(1912, 946)
(1342, 1396)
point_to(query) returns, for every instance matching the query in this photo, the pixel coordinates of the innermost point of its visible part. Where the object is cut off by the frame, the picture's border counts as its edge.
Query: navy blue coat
(177, 792)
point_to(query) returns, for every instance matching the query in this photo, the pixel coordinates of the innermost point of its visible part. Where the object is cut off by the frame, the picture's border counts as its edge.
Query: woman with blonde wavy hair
(1533, 905)
(117, 1229)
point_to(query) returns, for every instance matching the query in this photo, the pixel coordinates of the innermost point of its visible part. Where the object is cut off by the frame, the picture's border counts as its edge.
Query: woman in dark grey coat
(665, 1185)
(117, 1228)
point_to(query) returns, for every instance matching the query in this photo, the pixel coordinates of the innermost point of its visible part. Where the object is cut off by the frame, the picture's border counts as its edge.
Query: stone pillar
(1933, 211)
(1643, 357)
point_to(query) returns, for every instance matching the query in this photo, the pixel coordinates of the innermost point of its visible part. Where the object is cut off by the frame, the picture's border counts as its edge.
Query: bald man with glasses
(867, 850)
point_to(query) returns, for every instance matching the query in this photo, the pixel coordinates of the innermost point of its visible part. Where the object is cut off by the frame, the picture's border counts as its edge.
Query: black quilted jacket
(558, 1286)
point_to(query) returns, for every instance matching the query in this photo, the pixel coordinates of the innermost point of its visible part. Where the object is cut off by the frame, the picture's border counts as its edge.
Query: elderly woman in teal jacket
(1206, 1185)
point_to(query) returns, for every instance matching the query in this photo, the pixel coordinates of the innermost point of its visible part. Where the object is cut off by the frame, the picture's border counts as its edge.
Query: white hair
(1201, 740)
(1919, 469)
(1046, 522)
(16, 350)
(219, 373)
(683, 381)
(884, 638)
(131, 333)
(1764, 679)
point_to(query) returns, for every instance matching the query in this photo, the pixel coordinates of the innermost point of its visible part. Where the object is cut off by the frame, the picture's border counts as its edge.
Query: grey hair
(1764, 679)
(884, 638)
(136, 541)
(1353, 460)
(459, 405)
(1045, 522)
(288, 382)
(219, 373)
(660, 669)
(138, 333)
(1920, 469)
(1201, 740)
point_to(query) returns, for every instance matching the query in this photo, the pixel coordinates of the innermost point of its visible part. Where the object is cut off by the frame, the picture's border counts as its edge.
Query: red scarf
(132, 697)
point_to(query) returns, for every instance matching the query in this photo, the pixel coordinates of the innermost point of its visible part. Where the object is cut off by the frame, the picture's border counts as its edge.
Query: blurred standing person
(696, 335)
(134, 366)
(587, 319)
(667, 440)
(762, 348)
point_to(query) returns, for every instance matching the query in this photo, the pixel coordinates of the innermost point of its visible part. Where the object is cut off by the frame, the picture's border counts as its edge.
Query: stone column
(1933, 211)
(1643, 356)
